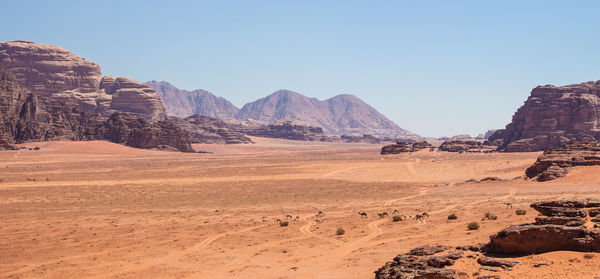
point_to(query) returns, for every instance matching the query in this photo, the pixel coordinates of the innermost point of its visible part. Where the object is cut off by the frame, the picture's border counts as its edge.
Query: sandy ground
(101, 210)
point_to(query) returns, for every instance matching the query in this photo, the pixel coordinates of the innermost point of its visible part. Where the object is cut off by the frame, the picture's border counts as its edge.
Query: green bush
(490, 216)
(284, 224)
(473, 226)
(396, 219)
(521, 212)
(452, 216)
(340, 231)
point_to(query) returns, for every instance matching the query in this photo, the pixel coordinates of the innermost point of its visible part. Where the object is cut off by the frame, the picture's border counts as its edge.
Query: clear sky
(434, 67)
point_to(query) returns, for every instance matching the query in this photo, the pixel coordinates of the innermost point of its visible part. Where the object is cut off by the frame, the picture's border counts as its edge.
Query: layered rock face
(422, 262)
(183, 103)
(204, 129)
(402, 147)
(564, 225)
(554, 163)
(553, 116)
(27, 117)
(340, 115)
(58, 74)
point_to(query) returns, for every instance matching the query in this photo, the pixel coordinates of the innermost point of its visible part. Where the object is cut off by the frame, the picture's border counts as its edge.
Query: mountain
(60, 75)
(342, 114)
(183, 103)
(553, 116)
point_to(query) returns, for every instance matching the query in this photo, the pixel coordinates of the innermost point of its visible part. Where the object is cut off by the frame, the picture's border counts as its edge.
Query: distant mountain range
(340, 115)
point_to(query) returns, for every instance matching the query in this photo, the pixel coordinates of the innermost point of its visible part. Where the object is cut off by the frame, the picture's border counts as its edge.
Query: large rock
(58, 74)
(27, 117)
(554, 163)
(402, 147)
(553, 116)
(465, 146)
(183, 103)
(563, 226)
(204, 129)
(287, 130)
(421, 262)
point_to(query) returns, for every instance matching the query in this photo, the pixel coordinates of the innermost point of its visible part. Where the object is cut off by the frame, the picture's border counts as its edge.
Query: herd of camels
(395, 213)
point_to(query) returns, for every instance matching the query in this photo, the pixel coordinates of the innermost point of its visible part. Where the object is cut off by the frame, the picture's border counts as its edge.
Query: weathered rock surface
(204, 129)
(553, 116)
(465, 146)
(564, 226)
(340, 115)
(554, 163)
(287, 130)
(58, 74)
(183, 103)
(401, 147)
(421, 262)
(27, 117)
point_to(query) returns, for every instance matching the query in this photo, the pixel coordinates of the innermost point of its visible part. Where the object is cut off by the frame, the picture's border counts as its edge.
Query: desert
(101, 210)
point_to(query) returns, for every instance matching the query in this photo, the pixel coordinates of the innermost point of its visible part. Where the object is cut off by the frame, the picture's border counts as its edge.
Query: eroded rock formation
(401, 147)
(27, 117)
(564, 225)
(287, 130)
(553, 116)
(465, 146)
(204, 129)
(554, 163)
(58, 74)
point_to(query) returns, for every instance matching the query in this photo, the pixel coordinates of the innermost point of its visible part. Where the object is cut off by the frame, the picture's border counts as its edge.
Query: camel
(278, 221)
(287, 216)
(418, 217)
(363, 214)
(395, 212)
(508, 204)
(296, 219)
(425, 215)
(264, 219)
(320, 214)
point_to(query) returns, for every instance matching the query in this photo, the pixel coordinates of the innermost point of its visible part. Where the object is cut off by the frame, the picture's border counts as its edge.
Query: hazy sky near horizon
(436, 68)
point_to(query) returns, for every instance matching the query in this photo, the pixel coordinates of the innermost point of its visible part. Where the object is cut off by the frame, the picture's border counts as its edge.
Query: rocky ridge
(204, 129)
(554, 163)
(553, 116)
(466, 146)
(183, 103)
(402, 147)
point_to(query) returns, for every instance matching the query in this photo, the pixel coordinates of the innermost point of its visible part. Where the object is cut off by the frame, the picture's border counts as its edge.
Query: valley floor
(101, 210)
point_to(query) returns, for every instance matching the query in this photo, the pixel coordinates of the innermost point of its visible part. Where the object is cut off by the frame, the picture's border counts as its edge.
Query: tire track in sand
(306, 231)
(177, 255)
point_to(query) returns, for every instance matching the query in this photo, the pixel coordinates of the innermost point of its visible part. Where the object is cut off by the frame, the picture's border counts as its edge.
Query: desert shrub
(521, 212)
(473, 226)
(452, 216)
(340, 231)
(588, 256)
(396, 219)
(490, 216)
(284, 224)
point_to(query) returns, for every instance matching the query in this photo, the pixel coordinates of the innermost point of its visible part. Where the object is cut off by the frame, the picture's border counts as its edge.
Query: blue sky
(434, 67)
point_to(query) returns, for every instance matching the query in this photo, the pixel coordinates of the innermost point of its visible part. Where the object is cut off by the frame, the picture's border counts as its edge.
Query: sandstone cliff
(58, 74)
(204, 129)
(553, 116)
(26, 117)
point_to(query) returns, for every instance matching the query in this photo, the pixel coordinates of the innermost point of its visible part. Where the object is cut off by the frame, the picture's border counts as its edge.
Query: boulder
(402, 147)
(421, 262)
(554, 163)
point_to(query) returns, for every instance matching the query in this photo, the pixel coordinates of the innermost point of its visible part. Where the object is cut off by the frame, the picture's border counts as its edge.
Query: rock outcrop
(340, 115)
(58, 74)
(554, 163)
(204, 129)
(183, 103)
(27, 117)
(421, 262)
(402, 147)
(465, 146)
(287, 130)
(553, 116)
(564, 225)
